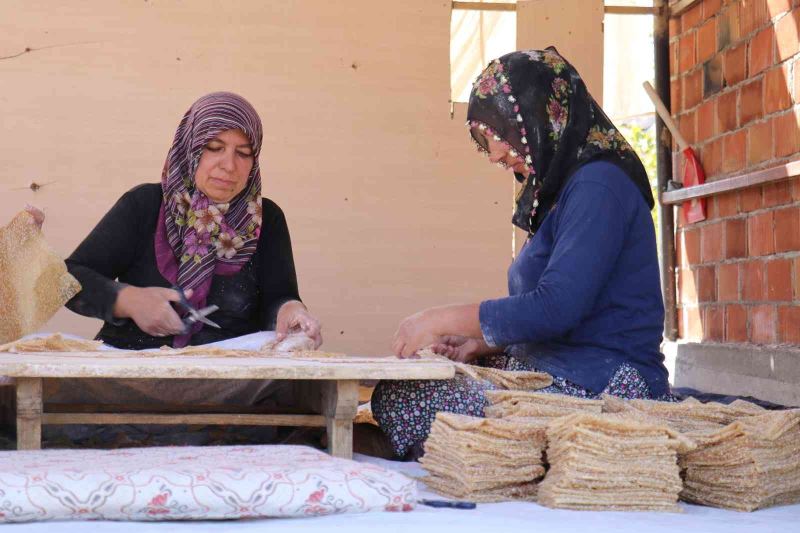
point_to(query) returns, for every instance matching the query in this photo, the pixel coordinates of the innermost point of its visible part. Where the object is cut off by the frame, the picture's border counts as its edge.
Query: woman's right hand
(151, 309)
(462, 349)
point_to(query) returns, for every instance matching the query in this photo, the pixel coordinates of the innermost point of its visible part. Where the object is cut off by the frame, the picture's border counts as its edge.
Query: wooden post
(666, 214)
(339, 405)
(29, 413)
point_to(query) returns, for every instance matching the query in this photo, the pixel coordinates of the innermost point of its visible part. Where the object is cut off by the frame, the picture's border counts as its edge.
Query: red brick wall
(735, 89)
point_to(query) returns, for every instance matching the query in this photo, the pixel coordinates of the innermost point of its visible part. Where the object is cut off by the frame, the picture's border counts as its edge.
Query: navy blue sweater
(584, 292)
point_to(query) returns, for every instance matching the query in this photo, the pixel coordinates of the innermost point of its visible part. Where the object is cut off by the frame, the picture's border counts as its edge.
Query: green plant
(643, 142)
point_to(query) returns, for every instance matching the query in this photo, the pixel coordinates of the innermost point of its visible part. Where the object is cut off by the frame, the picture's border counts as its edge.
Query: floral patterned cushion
(193, 483)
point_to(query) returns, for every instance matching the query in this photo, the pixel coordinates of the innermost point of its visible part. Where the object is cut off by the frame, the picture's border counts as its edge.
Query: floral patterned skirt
(405, 409)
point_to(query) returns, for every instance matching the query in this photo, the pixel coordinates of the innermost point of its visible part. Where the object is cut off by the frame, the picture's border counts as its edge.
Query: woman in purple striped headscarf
(204, 228)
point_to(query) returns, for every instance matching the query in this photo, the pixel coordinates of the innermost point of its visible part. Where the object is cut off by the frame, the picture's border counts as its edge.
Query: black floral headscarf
(536, 103)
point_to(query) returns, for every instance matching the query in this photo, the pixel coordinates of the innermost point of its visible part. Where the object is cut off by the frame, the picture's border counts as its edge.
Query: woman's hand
(151, 309)
(294, 316)
(432, 325)
(463, 349)
(414, 333)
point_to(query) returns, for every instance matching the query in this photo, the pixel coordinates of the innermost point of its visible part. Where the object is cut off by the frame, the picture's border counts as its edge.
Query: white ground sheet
(486, 518)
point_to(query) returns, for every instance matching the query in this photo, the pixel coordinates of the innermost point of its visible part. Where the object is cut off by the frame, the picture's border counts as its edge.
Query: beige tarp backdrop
(389, 206)
(477, 37)
(575, 28)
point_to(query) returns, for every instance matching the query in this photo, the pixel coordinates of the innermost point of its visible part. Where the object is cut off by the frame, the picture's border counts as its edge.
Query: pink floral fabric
(195, 237)
(193, 483)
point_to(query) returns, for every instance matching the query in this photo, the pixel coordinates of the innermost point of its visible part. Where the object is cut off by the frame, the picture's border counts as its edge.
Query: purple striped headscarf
(196, 237)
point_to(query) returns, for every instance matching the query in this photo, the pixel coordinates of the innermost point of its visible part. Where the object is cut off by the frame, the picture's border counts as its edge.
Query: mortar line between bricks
(764, 118)
(734, 260)
(785, 303)
(742, 38)
(736, 87)
(740, 216)
(702, 305)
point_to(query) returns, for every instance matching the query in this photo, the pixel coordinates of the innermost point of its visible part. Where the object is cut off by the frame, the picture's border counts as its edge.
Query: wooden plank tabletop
(106, 364)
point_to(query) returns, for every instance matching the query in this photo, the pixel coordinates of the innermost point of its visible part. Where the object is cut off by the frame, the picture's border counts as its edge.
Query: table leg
(339, 405)
(29, 413)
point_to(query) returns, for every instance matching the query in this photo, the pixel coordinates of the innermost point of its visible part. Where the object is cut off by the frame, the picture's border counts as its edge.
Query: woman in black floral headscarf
(562, 127)
(584, 298)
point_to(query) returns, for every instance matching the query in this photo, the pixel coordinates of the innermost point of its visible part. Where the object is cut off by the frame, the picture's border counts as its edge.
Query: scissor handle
(190, 318)
(448, 504)
(183, 300)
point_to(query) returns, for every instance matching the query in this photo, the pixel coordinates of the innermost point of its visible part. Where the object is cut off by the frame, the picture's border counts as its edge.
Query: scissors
(195, 315)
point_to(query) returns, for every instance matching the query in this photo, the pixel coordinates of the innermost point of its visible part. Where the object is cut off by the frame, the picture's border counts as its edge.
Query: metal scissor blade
(195, 315)
(200, 315)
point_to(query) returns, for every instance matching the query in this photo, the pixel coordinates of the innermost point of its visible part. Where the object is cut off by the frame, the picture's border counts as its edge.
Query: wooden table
(335, 398)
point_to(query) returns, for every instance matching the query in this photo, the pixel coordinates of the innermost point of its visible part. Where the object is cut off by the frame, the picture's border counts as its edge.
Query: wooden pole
(339, 405)
(29, 413)
(666, 219)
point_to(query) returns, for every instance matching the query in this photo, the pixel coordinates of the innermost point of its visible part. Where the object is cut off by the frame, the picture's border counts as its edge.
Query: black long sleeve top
(120, 250)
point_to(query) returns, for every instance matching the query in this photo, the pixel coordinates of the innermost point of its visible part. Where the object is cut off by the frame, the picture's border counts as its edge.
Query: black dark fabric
(683, 393)
(120, 250)
(537, 103)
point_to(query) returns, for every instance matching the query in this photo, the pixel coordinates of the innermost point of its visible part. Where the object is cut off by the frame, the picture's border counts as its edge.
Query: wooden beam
(676, 8)
(630, 10)
(758, 177)
(113, 364)
(182, 409)
(509, 6)
(193, 419)
(488, 6)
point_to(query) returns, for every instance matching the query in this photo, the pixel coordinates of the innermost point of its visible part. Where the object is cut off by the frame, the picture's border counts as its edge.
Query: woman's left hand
(293, 316)
(414, 333)
(463, 349)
